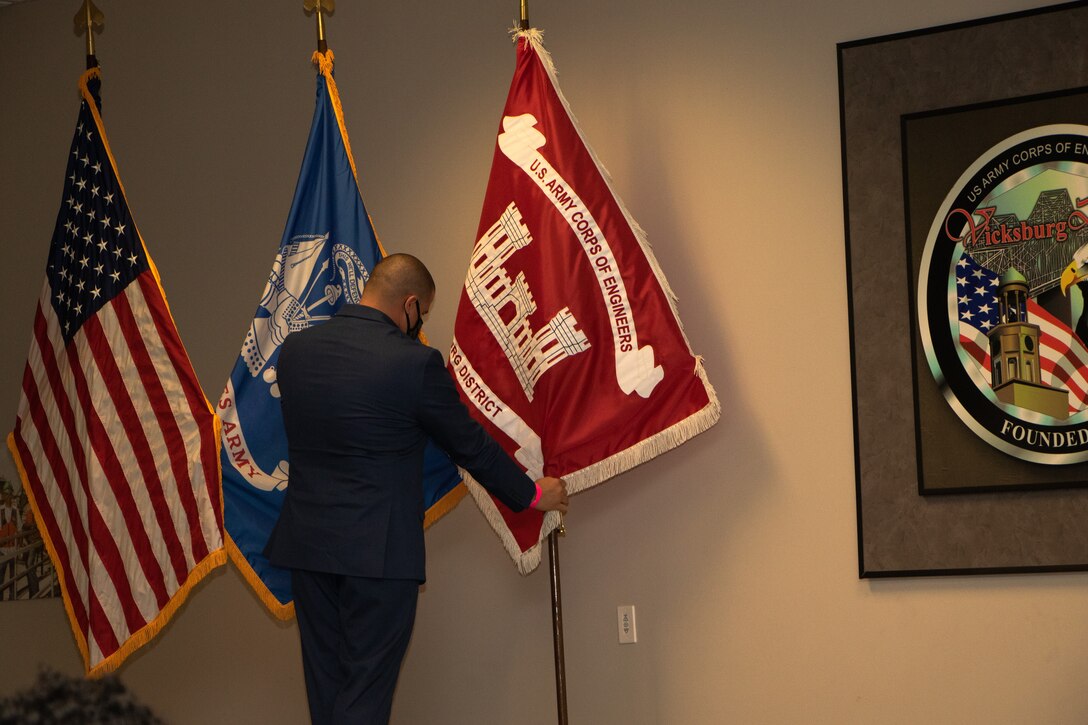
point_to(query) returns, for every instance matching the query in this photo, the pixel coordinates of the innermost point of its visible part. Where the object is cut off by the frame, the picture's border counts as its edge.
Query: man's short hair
(400, 275)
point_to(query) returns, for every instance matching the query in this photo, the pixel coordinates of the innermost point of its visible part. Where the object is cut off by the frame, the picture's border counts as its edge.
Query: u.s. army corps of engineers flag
(325, 258)
(567, 345)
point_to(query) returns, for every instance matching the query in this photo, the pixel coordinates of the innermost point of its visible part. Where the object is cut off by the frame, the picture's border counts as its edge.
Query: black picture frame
(1033, 524)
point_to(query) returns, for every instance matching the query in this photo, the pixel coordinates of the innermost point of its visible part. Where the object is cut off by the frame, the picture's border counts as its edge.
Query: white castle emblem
(505, 305)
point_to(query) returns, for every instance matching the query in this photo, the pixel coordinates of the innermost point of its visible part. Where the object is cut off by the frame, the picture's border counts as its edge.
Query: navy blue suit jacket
(359, 399)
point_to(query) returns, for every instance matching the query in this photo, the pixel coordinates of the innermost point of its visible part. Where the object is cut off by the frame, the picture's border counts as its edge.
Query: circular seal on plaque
(1002, 287)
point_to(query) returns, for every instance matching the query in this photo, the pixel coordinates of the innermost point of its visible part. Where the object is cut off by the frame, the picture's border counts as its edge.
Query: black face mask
(413, 330)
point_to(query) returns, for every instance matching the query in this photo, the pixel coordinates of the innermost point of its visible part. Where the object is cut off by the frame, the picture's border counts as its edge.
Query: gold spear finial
(524, 24)
(320, 8)
(87, 20)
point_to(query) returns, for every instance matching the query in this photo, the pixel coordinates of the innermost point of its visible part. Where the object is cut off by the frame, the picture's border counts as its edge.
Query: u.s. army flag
(325, 257)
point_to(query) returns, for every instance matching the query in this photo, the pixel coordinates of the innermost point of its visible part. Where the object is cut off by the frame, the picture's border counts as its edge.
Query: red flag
(115, 442)
(567, 345)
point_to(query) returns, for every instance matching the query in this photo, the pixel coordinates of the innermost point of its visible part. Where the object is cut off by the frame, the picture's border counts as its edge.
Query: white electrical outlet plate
(625, 619)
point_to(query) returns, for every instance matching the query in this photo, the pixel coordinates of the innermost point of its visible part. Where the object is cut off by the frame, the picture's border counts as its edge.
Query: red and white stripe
(1062, 356)
(119, 449)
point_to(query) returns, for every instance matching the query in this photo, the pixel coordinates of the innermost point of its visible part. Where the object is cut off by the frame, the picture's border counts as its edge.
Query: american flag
(114, 439)
(1063, 358)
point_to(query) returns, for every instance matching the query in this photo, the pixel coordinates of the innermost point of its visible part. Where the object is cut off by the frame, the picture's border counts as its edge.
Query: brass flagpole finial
(524, 24)
(87, 20)
(320, 8)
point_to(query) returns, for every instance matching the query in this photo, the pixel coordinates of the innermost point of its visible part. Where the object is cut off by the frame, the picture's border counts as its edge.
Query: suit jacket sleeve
(448, 422)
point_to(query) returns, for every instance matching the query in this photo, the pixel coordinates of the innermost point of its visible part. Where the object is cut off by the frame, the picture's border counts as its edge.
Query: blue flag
(324, 260)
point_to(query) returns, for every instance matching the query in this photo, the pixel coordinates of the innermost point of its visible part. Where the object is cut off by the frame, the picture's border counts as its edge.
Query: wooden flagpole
(557, 622)
(553, 559)
(87, 18)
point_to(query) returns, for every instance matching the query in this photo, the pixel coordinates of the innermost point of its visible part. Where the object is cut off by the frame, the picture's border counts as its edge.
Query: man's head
(401, 287)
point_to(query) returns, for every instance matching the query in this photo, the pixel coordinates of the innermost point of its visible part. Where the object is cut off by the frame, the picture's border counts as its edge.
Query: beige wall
(719, 122)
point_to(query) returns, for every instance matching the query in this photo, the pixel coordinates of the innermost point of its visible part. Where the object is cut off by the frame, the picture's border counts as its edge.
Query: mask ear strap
(410, 329)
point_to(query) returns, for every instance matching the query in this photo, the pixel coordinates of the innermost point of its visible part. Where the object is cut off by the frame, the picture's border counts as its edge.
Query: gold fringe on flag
(214, 558)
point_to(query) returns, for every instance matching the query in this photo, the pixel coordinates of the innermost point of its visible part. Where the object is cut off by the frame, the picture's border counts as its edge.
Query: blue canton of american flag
(95, 252)
(115, 442)
(976, 295)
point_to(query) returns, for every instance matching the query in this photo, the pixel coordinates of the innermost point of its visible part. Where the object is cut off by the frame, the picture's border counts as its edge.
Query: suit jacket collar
(364, 313)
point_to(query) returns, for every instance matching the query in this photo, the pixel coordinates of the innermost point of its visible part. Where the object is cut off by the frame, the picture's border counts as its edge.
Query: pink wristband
(536, 498)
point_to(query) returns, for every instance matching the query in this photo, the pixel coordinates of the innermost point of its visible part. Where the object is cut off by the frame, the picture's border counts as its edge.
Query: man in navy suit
(360, 396)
